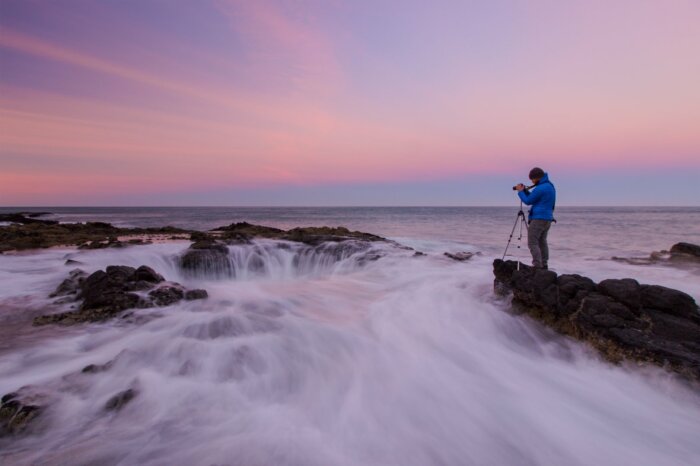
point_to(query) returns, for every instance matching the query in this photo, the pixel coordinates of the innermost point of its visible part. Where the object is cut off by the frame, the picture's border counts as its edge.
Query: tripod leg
(510, 238)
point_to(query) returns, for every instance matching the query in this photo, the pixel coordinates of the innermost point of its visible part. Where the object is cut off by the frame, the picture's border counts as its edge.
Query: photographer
(542, 200)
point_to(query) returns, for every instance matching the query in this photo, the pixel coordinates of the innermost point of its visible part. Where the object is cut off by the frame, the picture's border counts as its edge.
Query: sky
(356, 102)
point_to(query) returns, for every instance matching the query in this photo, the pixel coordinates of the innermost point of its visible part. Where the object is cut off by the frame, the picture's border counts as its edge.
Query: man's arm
(531, 197)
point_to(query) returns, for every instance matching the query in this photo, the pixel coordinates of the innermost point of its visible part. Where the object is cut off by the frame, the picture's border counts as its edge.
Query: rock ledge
(621, 318)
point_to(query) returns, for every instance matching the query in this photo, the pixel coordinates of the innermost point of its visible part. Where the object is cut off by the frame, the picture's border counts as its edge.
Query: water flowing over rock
(273, 258)
(620, 317)
(242, 250)
(18, 410)
(460, 256)
(106, 293)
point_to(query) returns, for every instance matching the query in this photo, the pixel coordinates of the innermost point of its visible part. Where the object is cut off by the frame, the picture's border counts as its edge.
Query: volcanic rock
(460, 256)
(685, 251)
(18, 410)
(206, 255)
(106, 293)
(26, 218)
(92, 235)
(621, 318)
(118, 401)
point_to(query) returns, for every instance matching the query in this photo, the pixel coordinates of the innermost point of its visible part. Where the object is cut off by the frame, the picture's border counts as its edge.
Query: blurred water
(333, 360)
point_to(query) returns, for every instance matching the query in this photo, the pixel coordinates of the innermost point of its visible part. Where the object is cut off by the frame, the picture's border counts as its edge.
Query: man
(541, 199)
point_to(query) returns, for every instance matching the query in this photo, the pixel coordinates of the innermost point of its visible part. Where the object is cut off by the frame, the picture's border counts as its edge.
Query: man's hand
(519, 187)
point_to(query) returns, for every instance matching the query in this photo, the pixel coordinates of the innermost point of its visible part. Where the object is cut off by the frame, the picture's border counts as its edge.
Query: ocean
(321, 359)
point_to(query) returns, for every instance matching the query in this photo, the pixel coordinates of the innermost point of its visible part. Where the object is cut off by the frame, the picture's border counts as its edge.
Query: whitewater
(369, 357)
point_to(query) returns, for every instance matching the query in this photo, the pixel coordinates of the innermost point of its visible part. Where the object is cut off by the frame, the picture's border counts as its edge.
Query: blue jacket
(542, 199)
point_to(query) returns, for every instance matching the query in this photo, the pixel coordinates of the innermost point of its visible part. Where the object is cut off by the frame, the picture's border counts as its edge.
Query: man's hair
(536, 173)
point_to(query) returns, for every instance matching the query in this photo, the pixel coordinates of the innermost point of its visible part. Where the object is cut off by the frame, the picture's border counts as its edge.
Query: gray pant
(537, 242)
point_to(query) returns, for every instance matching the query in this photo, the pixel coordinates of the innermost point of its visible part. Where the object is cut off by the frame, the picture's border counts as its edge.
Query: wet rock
(196, 294)
(686, 249)
(119, 400)
(71, 285)
(27, 218)
(207, 256)
(460, 256)
(681, 254)
(200, 236)
(118, 288)
(243, 231)
(627, 291)
(621, 318)
(92, 235)
(96, 368)
(73, 262)
(18, 410)
(317, 235)
(147, 274)
(166, 295)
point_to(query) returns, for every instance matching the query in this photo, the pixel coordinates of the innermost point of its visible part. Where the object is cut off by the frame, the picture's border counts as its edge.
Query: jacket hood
(543, 179)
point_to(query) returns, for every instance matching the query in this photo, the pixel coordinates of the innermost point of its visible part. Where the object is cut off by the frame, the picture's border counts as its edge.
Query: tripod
(519, 221)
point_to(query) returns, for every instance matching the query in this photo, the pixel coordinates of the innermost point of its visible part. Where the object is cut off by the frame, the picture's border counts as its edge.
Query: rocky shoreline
(621, 318)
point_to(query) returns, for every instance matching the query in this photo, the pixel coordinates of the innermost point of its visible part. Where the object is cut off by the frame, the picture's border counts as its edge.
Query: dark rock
(95, 368)
(106, 293)
(207, 257)
(670, 301)
(91, 235)
(317, 235)
(73, 262)
(18, 411)
(71, 285)
(621, 318)
(200, 236)
(419, 254)
(9, 396)
(681, 254)
(26, 218)
(243, 232)
(118, 401)
(166, 295)
(147, 274)
(627, 291)
(688, 249)
(196, 294)
(460, 256)
(247, 230)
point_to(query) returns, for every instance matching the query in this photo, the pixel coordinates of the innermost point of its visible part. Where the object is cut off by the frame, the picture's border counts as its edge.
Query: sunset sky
(355, 102)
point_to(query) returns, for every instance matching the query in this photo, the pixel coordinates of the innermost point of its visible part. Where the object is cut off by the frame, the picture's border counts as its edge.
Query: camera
(526, 188)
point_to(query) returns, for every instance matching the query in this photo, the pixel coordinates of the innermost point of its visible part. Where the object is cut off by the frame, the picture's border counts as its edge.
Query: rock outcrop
(680, 254)
(106, 293)
(243, 231)
(685, 251)
(91, 235)
(26, 218)
(620, 317)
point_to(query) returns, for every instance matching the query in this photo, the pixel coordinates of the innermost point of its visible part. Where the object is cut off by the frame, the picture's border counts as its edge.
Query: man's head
(536, 174)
